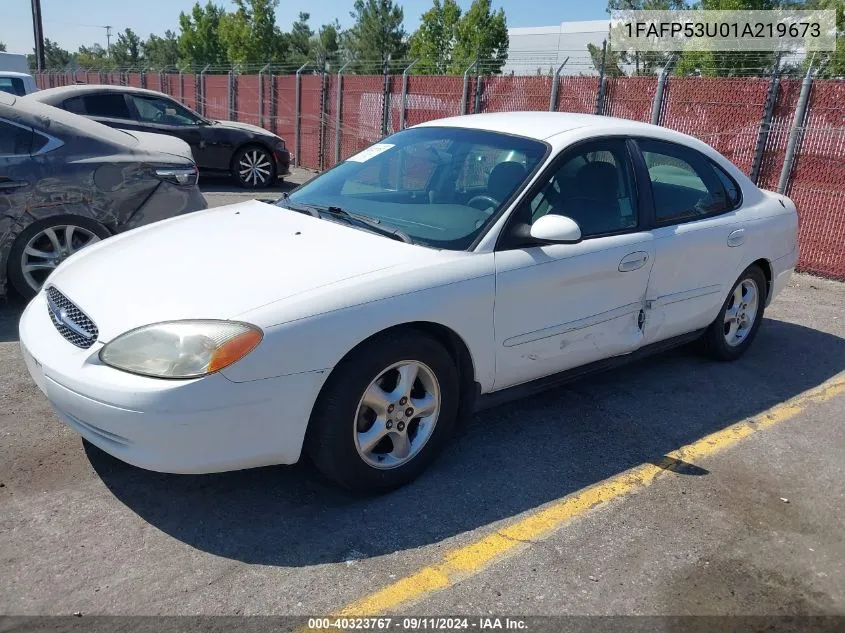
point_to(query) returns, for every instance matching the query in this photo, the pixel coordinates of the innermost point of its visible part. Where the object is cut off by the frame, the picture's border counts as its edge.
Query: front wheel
(385, 412)
(253, 167)
(733, 331)
(45, 244)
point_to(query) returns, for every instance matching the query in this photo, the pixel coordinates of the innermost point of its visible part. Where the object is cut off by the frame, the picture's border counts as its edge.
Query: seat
(594, 205)
(504, 178)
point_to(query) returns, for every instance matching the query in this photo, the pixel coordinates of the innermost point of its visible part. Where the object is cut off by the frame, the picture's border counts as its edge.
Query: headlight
(181, 349)
(182, 176)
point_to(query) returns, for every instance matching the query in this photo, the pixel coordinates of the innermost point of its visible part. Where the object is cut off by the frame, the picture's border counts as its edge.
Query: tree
(162, 52)
(728, 63)
(199, 37)
(377, 33)
(434, 41)
(93, 57)
(612, 60)
(126, 51)
(830, 63)
(250, 34)
(299, 38)
(644, 62)
(55, 57)
(483, 35)
(2, 47)
(325, 45)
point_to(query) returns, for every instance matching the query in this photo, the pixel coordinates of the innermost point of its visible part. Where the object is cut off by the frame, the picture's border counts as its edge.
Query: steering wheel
(158, 116)
(491, 202)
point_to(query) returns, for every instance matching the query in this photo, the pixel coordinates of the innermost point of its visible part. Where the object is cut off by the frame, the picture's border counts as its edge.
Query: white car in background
(452, 265)
(18, 84)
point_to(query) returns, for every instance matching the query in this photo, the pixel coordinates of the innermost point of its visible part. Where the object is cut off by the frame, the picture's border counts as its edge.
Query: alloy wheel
(49, 248)
(741, 312)
(254, 167)
(397, 414)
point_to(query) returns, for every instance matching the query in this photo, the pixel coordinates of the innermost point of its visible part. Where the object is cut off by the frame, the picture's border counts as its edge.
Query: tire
(264, 161)
(27, 272)
(725, 339)
(342, 423)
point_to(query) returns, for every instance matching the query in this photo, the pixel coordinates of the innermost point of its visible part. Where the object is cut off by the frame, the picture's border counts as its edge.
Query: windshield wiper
(299, 208)
(369, 223)
(353, 219)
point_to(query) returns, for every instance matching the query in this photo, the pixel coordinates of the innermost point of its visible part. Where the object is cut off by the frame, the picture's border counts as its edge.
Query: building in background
(545, 47)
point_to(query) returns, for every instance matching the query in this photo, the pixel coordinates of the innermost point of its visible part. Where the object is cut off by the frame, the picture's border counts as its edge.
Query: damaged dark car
(67, 182)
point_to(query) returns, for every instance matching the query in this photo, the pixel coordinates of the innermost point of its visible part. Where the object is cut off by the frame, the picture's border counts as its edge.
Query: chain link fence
(327, 117)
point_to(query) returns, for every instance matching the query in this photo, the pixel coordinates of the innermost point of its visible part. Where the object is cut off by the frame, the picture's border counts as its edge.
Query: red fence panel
(432, 98)
(246, 103)
(309, 126)
(216, 97)
(154, 82)
(504, 94)
(630, 97)
(188, 87)
(817, 183)
(577, 94)
(363, 96)
(133, 79)
(723, 112)
(282, 120)
(782, 116)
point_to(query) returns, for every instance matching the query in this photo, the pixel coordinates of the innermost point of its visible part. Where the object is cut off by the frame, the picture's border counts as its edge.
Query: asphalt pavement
(570, 502)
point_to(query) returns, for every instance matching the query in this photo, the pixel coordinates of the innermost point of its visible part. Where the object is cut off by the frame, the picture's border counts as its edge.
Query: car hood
(247, 127)
(162, 144)
(219, 263)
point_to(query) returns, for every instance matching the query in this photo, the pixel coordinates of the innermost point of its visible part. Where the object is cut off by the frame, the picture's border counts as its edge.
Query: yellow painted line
(468, 560)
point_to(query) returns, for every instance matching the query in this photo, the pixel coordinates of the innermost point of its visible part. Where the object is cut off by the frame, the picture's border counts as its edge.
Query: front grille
(71, 322)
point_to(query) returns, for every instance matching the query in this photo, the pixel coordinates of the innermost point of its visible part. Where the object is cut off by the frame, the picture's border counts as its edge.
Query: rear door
(17, 176)
(699, 236)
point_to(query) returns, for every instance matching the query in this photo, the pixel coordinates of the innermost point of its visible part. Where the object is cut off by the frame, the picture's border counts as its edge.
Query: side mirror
(556, 228)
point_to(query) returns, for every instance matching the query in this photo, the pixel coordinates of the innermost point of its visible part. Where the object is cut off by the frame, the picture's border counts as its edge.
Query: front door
(559, 306)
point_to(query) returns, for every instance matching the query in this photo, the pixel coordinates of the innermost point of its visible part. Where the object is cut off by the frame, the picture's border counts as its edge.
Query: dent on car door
(559, 306)
(699, 233)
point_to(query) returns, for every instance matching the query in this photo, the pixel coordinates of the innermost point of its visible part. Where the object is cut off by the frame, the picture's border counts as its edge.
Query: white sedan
(448, 267)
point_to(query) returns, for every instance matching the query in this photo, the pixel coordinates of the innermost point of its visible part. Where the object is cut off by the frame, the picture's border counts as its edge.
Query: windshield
(440, 186)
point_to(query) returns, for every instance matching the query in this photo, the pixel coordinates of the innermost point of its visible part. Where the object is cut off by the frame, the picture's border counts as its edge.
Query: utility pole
(108, 40)
(38, 33)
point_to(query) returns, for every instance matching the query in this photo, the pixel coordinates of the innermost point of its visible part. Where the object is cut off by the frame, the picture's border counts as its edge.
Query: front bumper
(283, 160)
(204, 425)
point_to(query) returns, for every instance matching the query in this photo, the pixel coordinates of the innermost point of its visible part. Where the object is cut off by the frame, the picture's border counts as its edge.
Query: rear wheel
(731, 334)
(45, 244)
(253, 167)
(385, 412)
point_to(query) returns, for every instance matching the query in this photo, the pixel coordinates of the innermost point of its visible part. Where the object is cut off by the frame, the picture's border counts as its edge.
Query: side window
(731, 188)
(12, 85)
(110, 105)
(594, 186)
(684, 183)
(14, 140)
(74, 104)
(161, 111)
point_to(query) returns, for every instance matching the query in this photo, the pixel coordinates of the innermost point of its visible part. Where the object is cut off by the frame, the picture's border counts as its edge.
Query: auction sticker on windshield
(370, 152)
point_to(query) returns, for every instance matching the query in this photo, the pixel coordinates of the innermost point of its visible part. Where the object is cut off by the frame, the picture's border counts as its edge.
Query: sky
(72, 23)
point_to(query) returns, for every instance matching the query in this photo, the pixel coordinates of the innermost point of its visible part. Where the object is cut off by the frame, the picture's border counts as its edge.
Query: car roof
(60, 93)
(543, 125)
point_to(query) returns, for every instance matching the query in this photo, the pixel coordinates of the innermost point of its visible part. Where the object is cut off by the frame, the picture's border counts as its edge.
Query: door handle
(13, 184)
(633, 261)
(736, 238)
